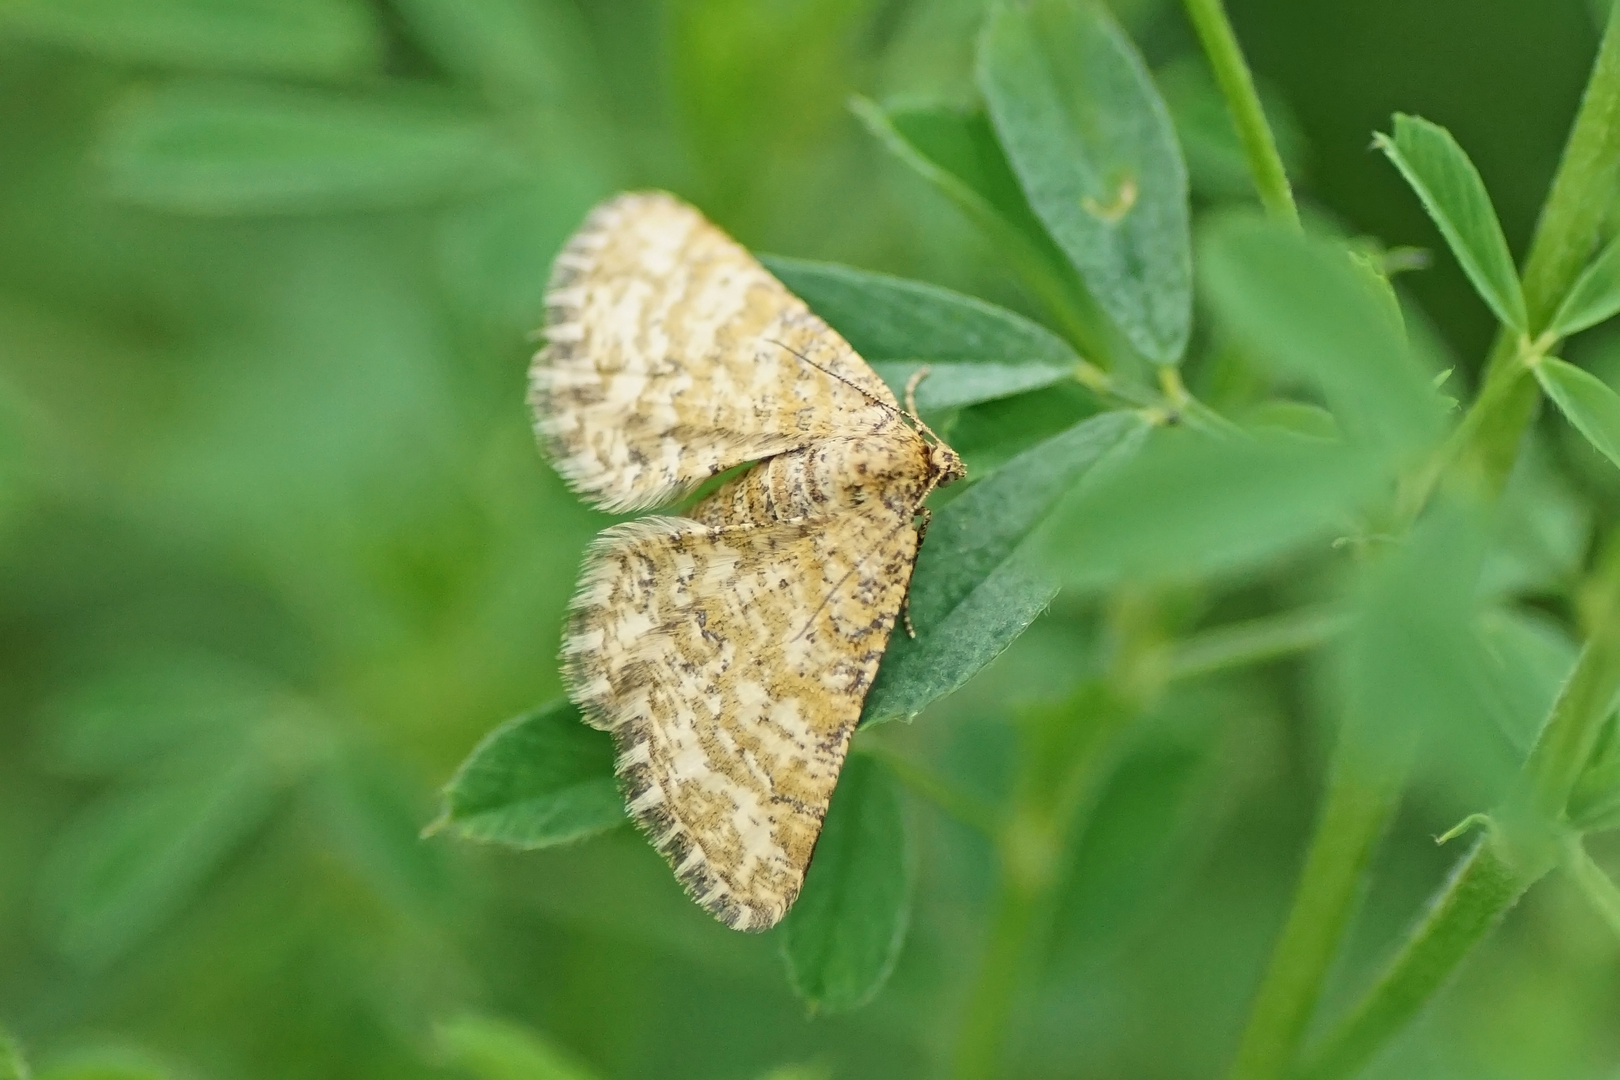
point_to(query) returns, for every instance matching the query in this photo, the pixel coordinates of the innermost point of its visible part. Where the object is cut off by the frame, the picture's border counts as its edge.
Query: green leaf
(1455, 197)
(844, 934)
(949, 386)
(1595, 804)
(992, 433)
(1296, 417)
(215, 148)
(13, 1066)
(1217, 165)
(1191, 504)
(515, 50)
(296, 38)
(974, 351)
(1594, 298)
(1095, 150)
(373, 814)
(1531, 656)
(1543, 531)
(1414, 660)
(1586, 402)
(539, 779)
(491, 1049)
(1302, 307)
(962, 143)
(110, 1063)
(957, 154)
(1167, 798)
(133, 860)
(150, 706)
(972, 593)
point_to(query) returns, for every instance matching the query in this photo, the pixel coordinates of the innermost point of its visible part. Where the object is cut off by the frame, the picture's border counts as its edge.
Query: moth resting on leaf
(728, 650)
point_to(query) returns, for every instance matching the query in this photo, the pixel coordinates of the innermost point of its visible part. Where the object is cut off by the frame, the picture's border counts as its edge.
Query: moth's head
(945, 464)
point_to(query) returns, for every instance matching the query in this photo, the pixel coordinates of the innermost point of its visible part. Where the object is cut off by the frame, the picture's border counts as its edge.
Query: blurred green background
(276, 547)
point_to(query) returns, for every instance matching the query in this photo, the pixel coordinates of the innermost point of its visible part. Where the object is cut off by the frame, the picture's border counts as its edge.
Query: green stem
(1599, 889)
(1569, 228)
(1029, 855)
(1520, 848)
(1363, 794)
(1067, 752)
(1489, 882)
(1254, 642)
(1566, 742)
(1582, 191)
(1487, 442)
(1237, 86)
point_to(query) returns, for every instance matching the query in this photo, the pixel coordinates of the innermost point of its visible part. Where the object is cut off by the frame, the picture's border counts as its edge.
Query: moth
(728, 649)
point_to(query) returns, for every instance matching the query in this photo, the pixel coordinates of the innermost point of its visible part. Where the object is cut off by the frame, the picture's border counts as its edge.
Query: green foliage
(135, 859)
(12, 1064)
(104, 1064)
(1216, 165)
(1194, 504)
(1094, 148)
(956, 152)
(1455, 197)
(276, 547)
(539, 779)
(973, 590)
(1302, 308)
(1595, 297)
(297, 38)
(844, 935)
(1586, 401)
(489, 1049)
(216, 148)
(974, 351)
(513, 51)
(1414, 670)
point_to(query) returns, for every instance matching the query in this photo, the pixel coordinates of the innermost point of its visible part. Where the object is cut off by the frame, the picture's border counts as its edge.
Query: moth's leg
(926, 515)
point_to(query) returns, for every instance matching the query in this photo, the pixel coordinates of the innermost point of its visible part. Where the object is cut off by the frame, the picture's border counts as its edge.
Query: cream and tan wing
(731, 663)
(670, 357)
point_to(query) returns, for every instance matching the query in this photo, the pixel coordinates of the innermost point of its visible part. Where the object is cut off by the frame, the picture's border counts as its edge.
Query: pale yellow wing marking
(731, 663)
(671, 357)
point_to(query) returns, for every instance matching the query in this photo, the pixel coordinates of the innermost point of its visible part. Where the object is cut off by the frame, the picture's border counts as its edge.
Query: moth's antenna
(911, 403)
(873, 398)
(910, 411)
(911, 388)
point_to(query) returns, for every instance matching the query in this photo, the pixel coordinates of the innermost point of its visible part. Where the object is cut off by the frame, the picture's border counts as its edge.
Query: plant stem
(1067, 753)
(1568, 230)
(1254, 642)
(1520, 848)
(1597, 886)
(1565, 744)
(1237, 86)
(1363, 794)
(1572, 217)
(1485, 886)
(1487, 443)
(1028, 874)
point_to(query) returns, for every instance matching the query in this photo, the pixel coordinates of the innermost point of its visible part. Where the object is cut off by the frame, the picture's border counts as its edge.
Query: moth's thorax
(891, 466)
